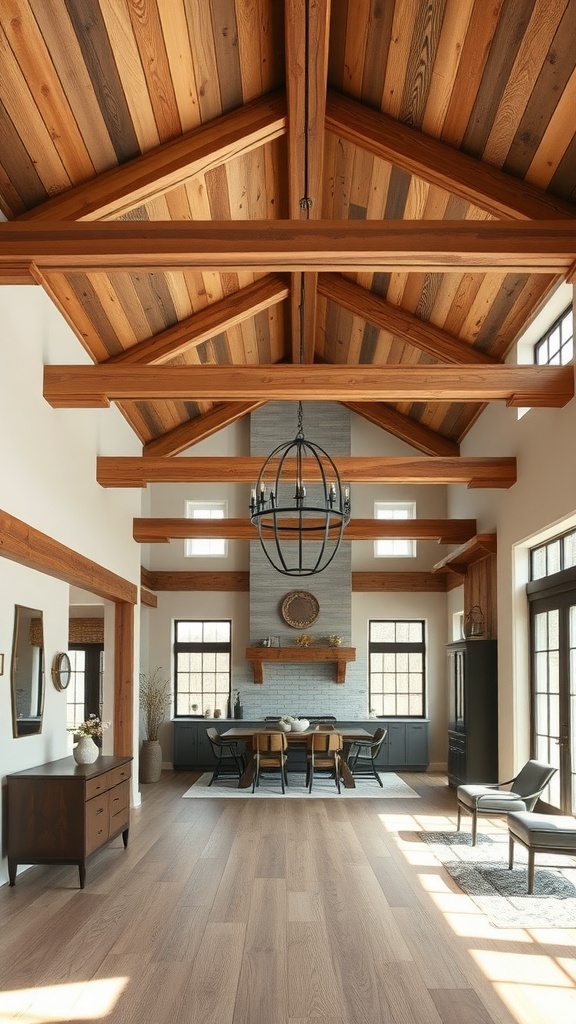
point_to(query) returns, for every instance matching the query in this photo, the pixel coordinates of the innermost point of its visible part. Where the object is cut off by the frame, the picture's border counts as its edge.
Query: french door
(553, 644)
(84, 694)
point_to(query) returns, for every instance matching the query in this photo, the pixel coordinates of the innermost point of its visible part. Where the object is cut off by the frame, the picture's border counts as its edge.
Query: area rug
(501, 895)
(323, 789)
(482, 873)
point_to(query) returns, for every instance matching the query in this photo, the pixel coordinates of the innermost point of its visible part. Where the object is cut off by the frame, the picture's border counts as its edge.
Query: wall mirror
(27, 671)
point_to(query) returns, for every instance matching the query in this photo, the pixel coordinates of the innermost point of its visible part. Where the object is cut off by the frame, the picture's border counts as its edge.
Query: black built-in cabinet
(473, 712)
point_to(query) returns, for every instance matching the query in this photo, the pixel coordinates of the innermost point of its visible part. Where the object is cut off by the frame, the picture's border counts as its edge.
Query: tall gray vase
(150, 761)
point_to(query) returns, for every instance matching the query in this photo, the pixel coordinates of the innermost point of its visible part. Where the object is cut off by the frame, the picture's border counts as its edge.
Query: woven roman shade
(86, 631)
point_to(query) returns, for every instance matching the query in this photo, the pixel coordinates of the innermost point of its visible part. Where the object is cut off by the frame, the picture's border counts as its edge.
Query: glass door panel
(571, 724)
(547, 696)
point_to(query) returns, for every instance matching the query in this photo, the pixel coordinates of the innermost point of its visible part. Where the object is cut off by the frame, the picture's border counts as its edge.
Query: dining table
(348, 734)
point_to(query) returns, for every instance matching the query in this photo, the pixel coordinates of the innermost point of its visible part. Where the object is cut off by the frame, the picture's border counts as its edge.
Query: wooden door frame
(22, 543)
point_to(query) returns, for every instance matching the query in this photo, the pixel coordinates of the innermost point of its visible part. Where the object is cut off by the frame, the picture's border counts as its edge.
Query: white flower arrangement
(91, 727)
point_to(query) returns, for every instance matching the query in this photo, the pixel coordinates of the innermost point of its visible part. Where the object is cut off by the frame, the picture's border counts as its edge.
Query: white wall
(370, 440)
(541, 503)
(170, 501)
(48, 480)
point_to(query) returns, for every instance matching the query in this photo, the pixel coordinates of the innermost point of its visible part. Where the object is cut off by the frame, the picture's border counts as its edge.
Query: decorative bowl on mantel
(304, 640)
(334, 640)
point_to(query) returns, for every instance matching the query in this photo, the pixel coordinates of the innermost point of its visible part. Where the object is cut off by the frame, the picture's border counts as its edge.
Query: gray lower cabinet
(405, 746)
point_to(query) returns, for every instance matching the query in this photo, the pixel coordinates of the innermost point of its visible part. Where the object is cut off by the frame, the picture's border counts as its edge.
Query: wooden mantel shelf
(339, 655)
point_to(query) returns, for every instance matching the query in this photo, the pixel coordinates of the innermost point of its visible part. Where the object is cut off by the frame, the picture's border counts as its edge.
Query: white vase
(85, 751)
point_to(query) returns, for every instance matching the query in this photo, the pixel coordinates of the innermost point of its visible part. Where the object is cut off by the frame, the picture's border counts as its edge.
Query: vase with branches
(155, 699)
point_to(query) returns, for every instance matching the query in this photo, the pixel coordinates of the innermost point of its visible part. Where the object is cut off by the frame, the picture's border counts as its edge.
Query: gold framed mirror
(27, 672)
(61, 670)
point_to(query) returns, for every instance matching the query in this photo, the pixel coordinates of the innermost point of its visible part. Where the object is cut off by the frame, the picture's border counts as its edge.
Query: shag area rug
(324, 788)
(482, 873)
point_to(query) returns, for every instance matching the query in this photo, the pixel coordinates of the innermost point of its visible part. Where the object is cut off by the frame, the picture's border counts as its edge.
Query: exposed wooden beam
(184, 581)
(147, 598)
(443, 531)
(21, 543)
(397, 582)
(476, 182)
(140, 180)
(543, 247)
(391, 582)
(131, 471)
(214, 319)
(306, 33)
(386, 317)
(187, 434)
(408, 430)
(97, 386)
(473, 550)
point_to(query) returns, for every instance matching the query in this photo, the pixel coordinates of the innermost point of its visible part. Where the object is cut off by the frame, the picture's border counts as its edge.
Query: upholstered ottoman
(555, 833)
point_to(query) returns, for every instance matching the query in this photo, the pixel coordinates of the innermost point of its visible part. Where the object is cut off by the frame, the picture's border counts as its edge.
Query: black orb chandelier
(299, 506)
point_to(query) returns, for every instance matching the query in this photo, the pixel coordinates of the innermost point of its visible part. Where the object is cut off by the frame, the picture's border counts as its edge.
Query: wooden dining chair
(269, 753)
(323, 750)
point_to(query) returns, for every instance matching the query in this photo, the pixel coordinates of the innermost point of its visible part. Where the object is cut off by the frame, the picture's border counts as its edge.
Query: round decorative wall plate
(300, 609)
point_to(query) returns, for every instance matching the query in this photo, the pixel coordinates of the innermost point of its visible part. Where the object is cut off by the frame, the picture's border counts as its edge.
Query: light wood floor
(273, 912)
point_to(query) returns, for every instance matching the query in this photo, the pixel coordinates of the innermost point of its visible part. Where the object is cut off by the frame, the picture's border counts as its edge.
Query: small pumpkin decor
(155, 699)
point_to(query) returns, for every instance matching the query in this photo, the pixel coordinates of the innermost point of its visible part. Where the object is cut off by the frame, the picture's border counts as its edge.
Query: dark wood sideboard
(62, 812)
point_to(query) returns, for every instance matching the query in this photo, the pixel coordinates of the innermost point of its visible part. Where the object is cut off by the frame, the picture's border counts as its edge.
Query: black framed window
(397, 660)
(556, 555)
(202, 666)
(556, 347)
(84, 692)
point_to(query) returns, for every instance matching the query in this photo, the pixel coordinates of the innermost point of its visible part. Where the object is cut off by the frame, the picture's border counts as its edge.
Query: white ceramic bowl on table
(300, 725)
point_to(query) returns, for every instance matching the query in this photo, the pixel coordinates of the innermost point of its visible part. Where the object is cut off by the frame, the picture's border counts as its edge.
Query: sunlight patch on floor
(548, 1001)
(84, 1000)
(519, 969)
(532, 1004)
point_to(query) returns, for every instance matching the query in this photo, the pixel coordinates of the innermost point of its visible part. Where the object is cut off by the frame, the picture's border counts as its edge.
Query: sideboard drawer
(98, 785)
(118, 775)
(119, 806)
(97, 822)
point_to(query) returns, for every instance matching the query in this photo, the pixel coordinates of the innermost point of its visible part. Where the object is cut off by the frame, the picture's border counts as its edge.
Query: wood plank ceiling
(350, 121)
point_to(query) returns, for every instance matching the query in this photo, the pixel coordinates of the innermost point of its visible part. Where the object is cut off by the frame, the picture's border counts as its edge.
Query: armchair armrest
(499, 785)
(504, 797)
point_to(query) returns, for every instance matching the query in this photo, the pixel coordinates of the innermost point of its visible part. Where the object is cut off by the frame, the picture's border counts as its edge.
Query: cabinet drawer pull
(100, 810)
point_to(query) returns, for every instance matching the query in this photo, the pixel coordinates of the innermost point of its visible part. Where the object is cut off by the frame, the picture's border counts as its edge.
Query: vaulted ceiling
(238, 200)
